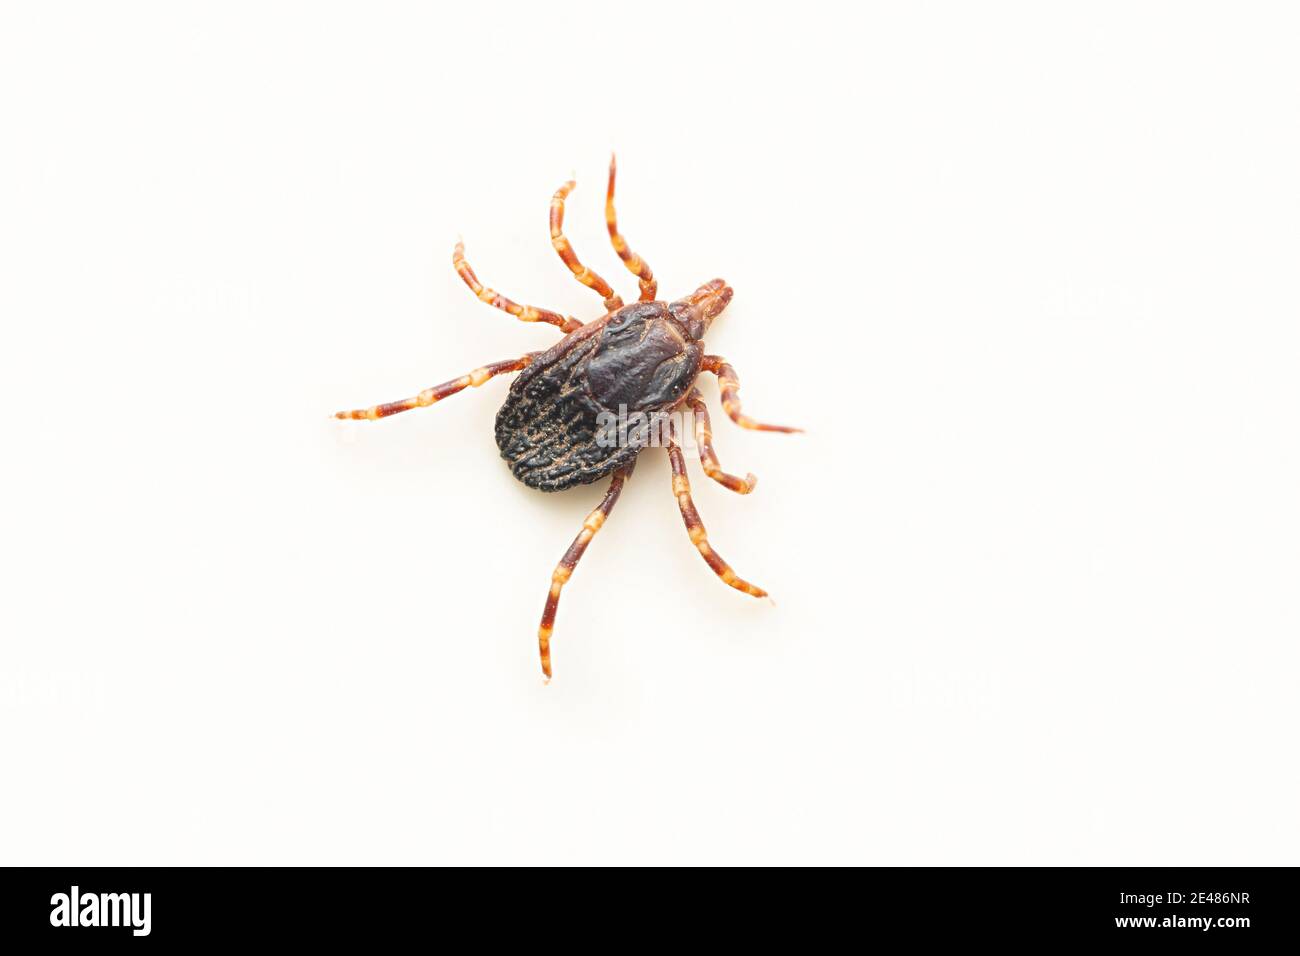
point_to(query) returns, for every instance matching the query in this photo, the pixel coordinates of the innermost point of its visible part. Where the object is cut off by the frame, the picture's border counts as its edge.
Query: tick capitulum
(644, 357)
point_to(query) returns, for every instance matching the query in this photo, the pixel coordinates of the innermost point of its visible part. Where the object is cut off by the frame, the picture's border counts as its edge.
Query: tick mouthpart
(710, 298)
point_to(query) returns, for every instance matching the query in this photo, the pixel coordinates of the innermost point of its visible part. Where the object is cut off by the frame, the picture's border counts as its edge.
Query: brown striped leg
(561, 244)
(694, 527)
(438, 392)
(564, 570)
(704, 438)
(730, 387)
(638, 266)
(525, 313)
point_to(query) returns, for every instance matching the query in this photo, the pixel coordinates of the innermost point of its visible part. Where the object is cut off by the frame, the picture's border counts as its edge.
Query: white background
(1027, 274)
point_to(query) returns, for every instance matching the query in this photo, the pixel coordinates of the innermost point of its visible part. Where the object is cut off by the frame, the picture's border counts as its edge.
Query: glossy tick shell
(640, 358)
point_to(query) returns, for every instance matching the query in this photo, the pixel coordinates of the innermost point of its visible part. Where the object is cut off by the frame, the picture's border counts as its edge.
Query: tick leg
(561, 244)
(564, 570)
(704, 438)
(638, 266)
(695, 528)
(730, 387)
(525, 313)
(438, 392)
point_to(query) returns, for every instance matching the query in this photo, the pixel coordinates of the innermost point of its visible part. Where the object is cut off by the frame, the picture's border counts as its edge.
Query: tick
(565, 419)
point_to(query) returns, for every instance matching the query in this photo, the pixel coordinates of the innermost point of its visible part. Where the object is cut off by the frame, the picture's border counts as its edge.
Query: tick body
(640, 360)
